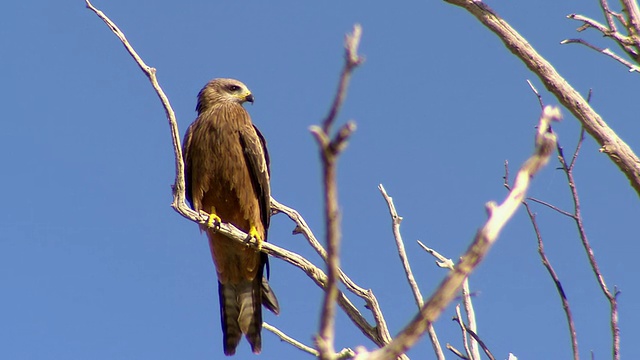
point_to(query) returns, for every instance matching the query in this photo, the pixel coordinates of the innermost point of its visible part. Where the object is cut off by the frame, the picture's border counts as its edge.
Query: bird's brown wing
(257, 158)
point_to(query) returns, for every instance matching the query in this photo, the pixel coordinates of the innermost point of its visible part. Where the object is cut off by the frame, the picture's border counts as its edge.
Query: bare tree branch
(611, 296)
(343, 354)
(442, 262)
(605, 51)
(329, 153)
(630, 42)
(617, 150)
(556, 281)
(608, 14)
(395, 227)
(535, 91)
(482, 344)
(486, 236)
(621, 39)
(552, 207)
(463, 330)
(457, 352)
(548, 266)
(179, 198)
(379, 333)
(286, 338)
(471, 318)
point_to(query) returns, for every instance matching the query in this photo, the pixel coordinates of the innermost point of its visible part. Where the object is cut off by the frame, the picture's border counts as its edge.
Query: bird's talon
(214, 220)
(253, 233)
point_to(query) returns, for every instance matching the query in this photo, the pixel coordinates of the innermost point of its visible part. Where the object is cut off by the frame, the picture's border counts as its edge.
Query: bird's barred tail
(241, 312)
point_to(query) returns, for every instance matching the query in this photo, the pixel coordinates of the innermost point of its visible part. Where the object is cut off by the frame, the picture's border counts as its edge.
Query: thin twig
(329, 152)
(605, 51)
(556, 281)
(577, 151)
(345, 353)
(463, 330)
(442, 262)
(352, 60)
(447, 264)
(288, 339)
(395, 227)
(535, 91)
(551, 271)
(577, 216)
(552, 207)
(486, 236)
(457, 352)
(482, 344)
(471, 318)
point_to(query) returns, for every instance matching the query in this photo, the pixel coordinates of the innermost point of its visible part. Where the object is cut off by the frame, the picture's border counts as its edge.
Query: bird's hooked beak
(249, 98)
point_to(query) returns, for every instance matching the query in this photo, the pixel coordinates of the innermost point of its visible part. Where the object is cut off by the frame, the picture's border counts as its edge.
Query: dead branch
(395, 227)
(604, 51)
(617, 150)
(611, 296)
(330, 150)
(463, 330)
(486, 236)
(630, 42)
(379, 333)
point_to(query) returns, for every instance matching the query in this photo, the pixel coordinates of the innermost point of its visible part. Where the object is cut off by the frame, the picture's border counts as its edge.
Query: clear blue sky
(94, 264)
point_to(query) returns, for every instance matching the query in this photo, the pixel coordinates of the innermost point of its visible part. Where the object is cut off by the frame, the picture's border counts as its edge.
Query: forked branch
(612, 145)
(330, 149)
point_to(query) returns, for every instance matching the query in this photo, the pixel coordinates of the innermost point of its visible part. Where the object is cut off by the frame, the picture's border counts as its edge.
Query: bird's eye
(234, 87)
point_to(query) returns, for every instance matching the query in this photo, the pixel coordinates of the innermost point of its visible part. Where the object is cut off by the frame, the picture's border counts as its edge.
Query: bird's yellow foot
(253, 233)
(214, 220)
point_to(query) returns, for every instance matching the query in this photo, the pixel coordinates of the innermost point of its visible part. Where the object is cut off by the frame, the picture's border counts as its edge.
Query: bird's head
(223, 90)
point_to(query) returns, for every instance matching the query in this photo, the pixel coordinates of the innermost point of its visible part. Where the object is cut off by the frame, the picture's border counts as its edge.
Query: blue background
(94, 264)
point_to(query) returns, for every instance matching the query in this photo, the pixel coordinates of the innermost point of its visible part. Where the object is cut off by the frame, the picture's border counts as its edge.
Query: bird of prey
(227, 176)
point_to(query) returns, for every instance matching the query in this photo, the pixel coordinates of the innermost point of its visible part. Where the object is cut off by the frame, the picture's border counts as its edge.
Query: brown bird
(227, 176)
